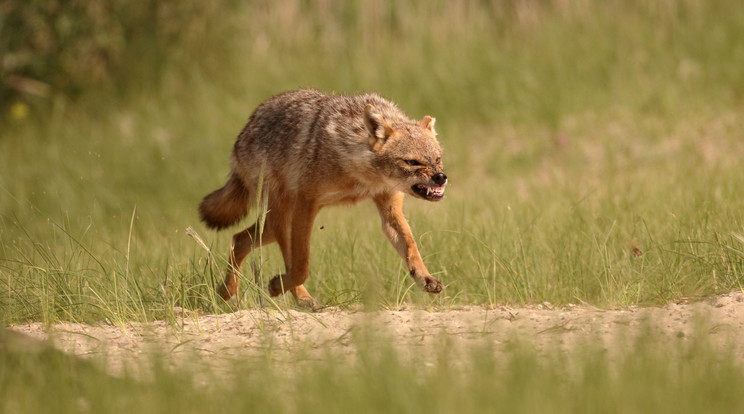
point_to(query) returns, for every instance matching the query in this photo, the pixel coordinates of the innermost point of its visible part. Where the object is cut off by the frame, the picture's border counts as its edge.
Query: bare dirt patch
(290, 334)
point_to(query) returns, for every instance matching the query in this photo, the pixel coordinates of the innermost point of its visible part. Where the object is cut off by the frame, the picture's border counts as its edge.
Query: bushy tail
(224, 207)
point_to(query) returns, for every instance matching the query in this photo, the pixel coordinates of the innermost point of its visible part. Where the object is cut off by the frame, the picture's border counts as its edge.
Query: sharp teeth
(429, 191)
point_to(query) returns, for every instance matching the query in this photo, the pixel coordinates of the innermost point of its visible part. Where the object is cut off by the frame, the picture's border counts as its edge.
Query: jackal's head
(407, 154)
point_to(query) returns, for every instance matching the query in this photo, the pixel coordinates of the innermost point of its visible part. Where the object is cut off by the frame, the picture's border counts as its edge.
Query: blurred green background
(593, 148)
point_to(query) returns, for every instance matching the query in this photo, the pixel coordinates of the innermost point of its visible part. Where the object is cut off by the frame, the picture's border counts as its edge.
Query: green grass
(644, 376)
(576, 136)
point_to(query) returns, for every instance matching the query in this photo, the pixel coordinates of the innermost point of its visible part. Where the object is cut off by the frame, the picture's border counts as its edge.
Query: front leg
(395, 227)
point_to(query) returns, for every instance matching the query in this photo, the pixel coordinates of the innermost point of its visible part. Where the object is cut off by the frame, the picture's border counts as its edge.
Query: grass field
(593, 148)
(593, 152)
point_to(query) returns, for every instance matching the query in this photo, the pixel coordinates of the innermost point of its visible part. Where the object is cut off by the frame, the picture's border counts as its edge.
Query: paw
(432, 285)
(275, 286)
(308, 302)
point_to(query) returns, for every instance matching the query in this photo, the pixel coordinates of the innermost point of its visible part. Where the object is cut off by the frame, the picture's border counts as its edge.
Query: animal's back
(306, 136)
(279, 120)
(293, 118)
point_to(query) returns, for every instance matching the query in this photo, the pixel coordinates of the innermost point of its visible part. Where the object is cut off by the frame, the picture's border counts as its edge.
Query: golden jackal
(315, 150)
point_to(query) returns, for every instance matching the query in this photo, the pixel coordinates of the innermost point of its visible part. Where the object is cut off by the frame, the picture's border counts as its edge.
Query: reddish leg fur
(395, 227)
(291, 231)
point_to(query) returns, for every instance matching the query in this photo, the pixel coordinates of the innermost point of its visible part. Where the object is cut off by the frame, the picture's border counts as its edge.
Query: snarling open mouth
(428, 192)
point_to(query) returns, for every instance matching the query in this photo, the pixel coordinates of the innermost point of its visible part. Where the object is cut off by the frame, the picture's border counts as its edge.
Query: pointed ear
(379, 129)
(428, 123)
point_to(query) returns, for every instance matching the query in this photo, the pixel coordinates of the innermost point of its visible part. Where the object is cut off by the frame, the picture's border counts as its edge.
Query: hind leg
(243, 243)
(296, 253)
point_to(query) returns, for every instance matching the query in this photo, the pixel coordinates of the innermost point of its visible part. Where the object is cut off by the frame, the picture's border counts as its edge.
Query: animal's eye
(413, 163)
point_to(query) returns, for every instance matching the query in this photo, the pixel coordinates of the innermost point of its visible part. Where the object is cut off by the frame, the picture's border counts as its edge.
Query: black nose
(439, 178)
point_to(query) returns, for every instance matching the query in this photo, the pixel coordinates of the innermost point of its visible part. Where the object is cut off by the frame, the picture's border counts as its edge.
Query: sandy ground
(292, 335)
